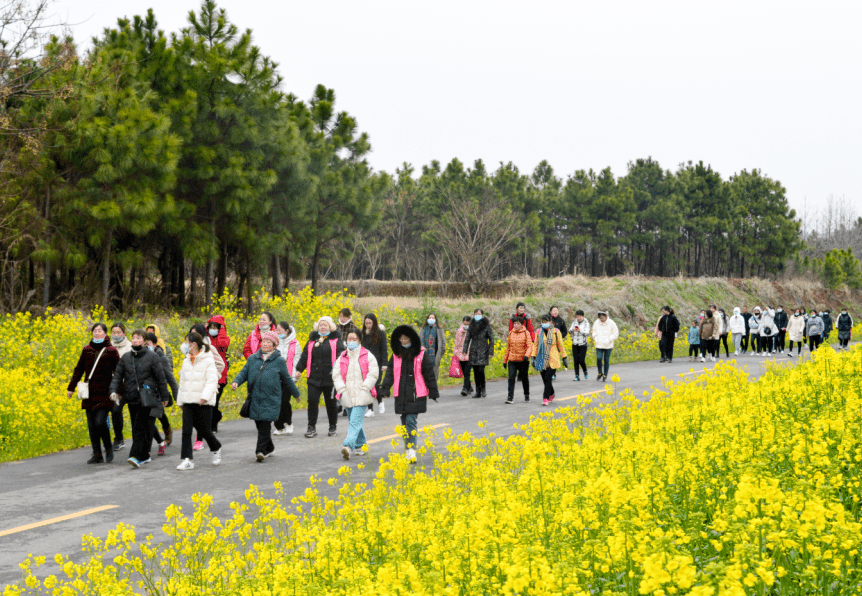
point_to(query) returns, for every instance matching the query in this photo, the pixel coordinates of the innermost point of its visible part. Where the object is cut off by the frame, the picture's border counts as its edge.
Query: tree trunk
(106, 268)
(277, 288)
(46, 284)
(314, 263)
(287, 270)
(193, 282)
(248, 304)
(222, 269)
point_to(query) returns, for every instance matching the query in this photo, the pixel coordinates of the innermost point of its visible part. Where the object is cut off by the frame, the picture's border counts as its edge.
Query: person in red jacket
(252, 343)
(217, 331)
(521, 311)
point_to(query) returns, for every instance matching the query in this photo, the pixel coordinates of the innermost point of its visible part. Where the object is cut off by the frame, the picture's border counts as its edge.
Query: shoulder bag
(146, 394)
(84, 387)
(245, 410)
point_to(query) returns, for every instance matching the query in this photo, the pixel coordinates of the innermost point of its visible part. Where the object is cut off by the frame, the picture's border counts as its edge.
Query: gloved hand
(115, 398)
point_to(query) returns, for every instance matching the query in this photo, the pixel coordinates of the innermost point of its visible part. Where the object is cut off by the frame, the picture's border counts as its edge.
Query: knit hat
(271, 336)
(328, 319)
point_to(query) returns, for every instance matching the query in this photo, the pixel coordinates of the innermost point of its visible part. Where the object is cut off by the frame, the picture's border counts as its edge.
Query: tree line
(164, 168)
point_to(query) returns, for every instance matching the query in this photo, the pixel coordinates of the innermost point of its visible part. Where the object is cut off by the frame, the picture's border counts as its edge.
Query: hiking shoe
(186, 464)
(216, 457)
(526, 398)
(382, 408)
(345, 452)
(117, 445)
(509, 401)
(310, 433)
(278, 433)
(162, 447)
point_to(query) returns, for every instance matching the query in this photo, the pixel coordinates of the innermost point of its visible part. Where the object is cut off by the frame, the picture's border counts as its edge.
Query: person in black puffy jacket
(669, 327)
(325, 347)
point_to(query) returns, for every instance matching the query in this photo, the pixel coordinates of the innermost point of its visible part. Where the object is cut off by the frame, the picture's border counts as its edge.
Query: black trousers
(199, 418)
(479, 375)
(579, 355)
(314, 393)
(142, 432)
(744, 343)
(766, 343)
(117, 420)
(465, 368)
(779, 342)
(813, 342)
(166, 426)
(693, 349)
(668, 341)
(755, 343)
(264, 436)
(285, 415)
(548, 380)
(97, 425)
(217, 415)
(799, 348)
(522, 370)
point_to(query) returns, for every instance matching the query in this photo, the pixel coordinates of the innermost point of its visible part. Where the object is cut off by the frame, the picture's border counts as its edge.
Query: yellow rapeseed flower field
(715, 486)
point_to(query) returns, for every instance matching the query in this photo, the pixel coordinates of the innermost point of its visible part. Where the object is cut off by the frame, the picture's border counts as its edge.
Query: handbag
(84, 388)
(767, 330)
(245, 410)
(455, 371)
(146, 394)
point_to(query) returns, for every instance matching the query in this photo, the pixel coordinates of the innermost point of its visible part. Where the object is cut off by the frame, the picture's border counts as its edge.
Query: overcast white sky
(737, 84)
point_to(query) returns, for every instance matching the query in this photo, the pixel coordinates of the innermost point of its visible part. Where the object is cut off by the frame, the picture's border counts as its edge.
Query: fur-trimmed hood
(315, 336)
(478, 327)
(395, 342)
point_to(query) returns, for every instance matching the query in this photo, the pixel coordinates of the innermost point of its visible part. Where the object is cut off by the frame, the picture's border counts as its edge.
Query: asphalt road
(61, 489)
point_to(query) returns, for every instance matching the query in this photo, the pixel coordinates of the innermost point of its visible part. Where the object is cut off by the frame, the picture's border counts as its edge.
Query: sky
(739, 85)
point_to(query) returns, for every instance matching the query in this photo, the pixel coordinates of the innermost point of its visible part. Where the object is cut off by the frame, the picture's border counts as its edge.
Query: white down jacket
(284, 349)
(199, 380)
(605, 334)
(737, 322)
(354, 391)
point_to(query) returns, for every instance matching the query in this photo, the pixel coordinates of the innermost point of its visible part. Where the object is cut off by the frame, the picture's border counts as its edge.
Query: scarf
(543, 356)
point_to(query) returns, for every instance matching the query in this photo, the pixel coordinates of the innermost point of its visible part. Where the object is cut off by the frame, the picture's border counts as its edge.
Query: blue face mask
(282, 335)
(477, 318)
(213, 332)
(432, 322)
(323, 334)
(546, 325)
(150, 348)
(98, 341)
(352, 345)
(407, 346)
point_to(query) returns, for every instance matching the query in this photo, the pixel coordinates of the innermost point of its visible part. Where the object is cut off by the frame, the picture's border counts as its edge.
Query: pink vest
(291, 354)
(254, 340)
(363, 367)
(333, 347)
(421, 389)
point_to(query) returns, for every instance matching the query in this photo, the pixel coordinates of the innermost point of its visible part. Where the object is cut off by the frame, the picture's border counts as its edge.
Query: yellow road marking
(580, 395)
(693, 372)
(55, 520)
(390, 437)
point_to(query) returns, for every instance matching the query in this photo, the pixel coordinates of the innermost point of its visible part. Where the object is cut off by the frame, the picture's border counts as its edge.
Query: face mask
(431, 322)
(184, 348)
(118, 338)
(407, 346)
(322, 334)
(213, 332)
(98, 341)
(352, 345)
(780, 310)
(150, 348)
(282, 335)
(843, 312)
(546, 325)
(263, 328)
(477, 318)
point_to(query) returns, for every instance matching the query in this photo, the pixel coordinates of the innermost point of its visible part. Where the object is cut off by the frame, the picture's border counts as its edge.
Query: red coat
(221, 342)
(528, 325)
(101, 380)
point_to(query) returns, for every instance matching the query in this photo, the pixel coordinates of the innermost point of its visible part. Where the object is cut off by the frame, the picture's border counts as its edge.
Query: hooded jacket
(198, 379)
(101, 380)
(284, 348)
(737, 322)
(161, 343)
(221, 343)
(781, 320)
(122, 347)
(267, 379)
(136, 369)
(827, 323)
(354, 390)
(528, 324)
(480, 342)
(460, 345)
(605, 334)
(581, 334)
(377, 344)
(321, 358)
(796, 328)
(407, 402)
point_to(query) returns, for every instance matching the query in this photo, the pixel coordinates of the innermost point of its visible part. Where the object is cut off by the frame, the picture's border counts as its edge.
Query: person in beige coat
(354, 377)
(196, 395)
(796, 332)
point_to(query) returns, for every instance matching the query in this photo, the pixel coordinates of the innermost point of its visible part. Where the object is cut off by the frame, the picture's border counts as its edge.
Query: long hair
(374, 334)
(196, 338)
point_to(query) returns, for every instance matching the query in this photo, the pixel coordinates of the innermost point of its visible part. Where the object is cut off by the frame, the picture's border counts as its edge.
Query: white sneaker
(278, 433)
(345, 452)
(411, 456)
(288, 429)
(147, 461)
(357, 452)
(702, 359)
(736, 353)
(186, 464)
(382, 408)
(216, 457)
(369, 413)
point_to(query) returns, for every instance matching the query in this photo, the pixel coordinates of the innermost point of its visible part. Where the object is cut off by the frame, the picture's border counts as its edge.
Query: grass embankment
(716, 485)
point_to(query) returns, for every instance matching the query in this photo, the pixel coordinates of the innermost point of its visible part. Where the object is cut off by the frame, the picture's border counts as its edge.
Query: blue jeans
(605, 355)
(355, 438)
(409, 421)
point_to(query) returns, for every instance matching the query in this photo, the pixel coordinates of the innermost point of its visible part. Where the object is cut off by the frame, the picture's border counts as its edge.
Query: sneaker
(259, 457)
(509, 401)
(369, 413)
(545, 402)
(662, 360)
(332, 431)
(216, 457)
(186, 464)
(96, 459)
(527, 398)
(484, 393)
(345, 452)
(149, 460)
(736, 353)
(344, 412)
(577, 378)
(278, 433)
(411, 456)
(117, 445)
(109, 456)
(789, 355)
(357, 452)
(586, 376)
(702, 359)
(382, 408)
(310, 433)
(198, 445)
(288, 429)
(270, 454)
(550, 399)
(162, 447)
(134, 462)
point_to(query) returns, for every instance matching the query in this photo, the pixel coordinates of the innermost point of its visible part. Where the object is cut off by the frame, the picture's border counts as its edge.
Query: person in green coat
(266, 374)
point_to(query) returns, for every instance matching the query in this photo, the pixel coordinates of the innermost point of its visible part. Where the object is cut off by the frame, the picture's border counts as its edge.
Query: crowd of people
(353, 368)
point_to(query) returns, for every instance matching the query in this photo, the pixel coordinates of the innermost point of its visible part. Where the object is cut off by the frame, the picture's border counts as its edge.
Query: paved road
(54, 486)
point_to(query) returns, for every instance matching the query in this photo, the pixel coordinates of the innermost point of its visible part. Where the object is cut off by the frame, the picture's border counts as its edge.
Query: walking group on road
(353, 368)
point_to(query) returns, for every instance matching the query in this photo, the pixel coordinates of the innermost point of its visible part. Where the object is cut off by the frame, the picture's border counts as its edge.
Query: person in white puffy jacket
(605, 332)
(197, 393)
(291, 350)
(768, 331)
(737, 329)
(354, 377)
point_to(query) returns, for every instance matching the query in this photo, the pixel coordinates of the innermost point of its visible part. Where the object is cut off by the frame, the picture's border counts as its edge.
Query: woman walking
(318, 357)
(845, 328)
(707, 332)
(815, 327)
(480, 348)
(197, 398)
(549, 354)
(265, 323)
(462, 356)
(265, 371)
(521, 311)
(767, 330)
(558, 321)
(725, 330)
(605, 333)
(121, 343)
(96, 365)
(373, 338)
(410, 378)
(580, 332)
(290, 350)
(152, 344)
(355, 376)
(218, 337)
(669, 327)
(796, 332)
(145, 389)
(519, 349)
(693, 340)
(736, 326)
(433, 340)
(754, 329)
